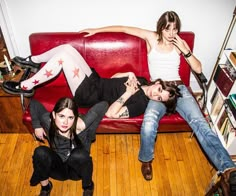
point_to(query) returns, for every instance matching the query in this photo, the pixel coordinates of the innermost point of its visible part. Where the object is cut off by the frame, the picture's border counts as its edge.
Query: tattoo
(120, 100)
(124, 114)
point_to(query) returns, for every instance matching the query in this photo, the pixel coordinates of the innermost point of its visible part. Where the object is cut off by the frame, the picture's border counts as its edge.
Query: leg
(81, 166)
(47, 163)
(62, 57)
(154, 112)
(209, 141)
(92, 120)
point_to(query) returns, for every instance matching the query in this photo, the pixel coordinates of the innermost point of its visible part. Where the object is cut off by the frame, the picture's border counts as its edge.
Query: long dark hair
(61, 104)
(173, 96)
(164, 22)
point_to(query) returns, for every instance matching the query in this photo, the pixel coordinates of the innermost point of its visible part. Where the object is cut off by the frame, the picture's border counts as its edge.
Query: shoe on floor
(146, 169)
(26, 63)
(88, 192)
(13, 87)
(229, 177)
(46, 193)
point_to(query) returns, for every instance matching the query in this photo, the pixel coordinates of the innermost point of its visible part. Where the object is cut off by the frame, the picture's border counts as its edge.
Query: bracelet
(188, 54)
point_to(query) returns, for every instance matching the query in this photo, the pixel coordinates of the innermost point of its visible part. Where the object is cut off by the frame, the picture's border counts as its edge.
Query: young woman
(164, 49)
(126, 94)
(69, 135)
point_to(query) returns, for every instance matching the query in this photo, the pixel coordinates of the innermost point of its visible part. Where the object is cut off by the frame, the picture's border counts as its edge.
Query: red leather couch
(108, 53)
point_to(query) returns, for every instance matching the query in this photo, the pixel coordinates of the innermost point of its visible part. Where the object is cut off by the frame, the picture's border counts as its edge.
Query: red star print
(24, 87)
(36, 82)
(48, 73)
(76, 72)
(60, 62)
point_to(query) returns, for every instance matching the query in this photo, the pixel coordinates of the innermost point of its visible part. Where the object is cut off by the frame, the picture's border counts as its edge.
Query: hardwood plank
(106, 165)
(99, 165)
(139, 178)
(113, 182)
(132, 158)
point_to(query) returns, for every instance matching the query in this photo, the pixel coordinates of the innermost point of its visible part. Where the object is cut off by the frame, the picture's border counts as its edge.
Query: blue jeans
(188, 108)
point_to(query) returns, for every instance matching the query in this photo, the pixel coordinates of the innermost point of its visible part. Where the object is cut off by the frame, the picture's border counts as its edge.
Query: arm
(117, 109)
(40, 116)
(194, 63)
(131, 76)
(142, 33)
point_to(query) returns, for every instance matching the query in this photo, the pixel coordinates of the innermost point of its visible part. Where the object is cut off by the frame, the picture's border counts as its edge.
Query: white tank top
(164, 65)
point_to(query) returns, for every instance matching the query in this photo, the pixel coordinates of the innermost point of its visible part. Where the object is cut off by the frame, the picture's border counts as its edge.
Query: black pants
(47, 164)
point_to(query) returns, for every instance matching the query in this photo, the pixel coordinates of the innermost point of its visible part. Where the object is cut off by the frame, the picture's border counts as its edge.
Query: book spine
(223, 80)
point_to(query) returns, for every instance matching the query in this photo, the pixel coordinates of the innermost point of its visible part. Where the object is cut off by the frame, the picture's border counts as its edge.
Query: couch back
(108, 53)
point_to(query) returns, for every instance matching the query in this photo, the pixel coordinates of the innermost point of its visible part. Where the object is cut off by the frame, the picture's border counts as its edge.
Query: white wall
(208, 19)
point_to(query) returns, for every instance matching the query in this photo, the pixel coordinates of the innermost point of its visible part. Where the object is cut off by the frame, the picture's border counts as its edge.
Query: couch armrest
(201, 79)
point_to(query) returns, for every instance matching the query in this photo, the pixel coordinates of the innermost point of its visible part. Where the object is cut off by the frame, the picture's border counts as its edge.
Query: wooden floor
(179, 168)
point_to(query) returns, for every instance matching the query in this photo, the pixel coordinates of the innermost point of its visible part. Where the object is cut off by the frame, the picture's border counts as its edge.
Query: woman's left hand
(132, 85)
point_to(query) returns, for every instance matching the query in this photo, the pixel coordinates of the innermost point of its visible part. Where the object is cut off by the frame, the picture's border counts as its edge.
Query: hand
(180, 44)
(40, 133)
(132, 86)
(132, 77)
(88, 31)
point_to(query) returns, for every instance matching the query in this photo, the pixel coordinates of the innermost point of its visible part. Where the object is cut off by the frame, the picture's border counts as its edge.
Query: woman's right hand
(89, 32)
(40, 133)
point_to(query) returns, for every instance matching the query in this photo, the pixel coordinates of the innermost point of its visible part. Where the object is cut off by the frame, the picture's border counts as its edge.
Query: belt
(175, 82)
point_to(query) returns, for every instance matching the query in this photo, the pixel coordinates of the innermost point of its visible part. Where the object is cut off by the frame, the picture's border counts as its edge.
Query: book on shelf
(232, 98)
(221, 121)
(232, 57)
(223, 79)
(227, 130)
(217, 102)
(223, 126)
(230, 106)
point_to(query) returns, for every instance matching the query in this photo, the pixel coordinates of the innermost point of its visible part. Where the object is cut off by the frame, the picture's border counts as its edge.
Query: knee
(150, 117)
(101, 107)
(68, 48)
(80, 156)
(41, 152)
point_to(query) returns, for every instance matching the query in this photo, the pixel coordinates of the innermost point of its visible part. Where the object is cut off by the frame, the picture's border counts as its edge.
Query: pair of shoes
(88, 192)
(26, 63)
(146, 169)
(13, 87)
(44, 192)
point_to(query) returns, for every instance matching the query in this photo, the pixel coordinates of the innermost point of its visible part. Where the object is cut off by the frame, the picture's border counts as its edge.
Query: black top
(94, 89)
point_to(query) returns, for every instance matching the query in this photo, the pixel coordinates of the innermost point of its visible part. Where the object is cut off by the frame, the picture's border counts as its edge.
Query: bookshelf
(221, 103)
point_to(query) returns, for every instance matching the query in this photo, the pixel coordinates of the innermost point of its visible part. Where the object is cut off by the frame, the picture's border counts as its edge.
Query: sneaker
(13, 87)
(46, 193)
(26, 63)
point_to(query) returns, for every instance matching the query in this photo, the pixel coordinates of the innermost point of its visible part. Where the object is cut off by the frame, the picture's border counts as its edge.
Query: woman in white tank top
(164, 48)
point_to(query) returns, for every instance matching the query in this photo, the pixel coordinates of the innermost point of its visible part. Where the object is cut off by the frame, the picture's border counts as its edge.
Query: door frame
(7, 31)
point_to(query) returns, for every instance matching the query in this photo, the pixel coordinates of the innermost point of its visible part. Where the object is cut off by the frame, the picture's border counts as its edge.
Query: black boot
(13, 87)
(26, 63)
(46, 192)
